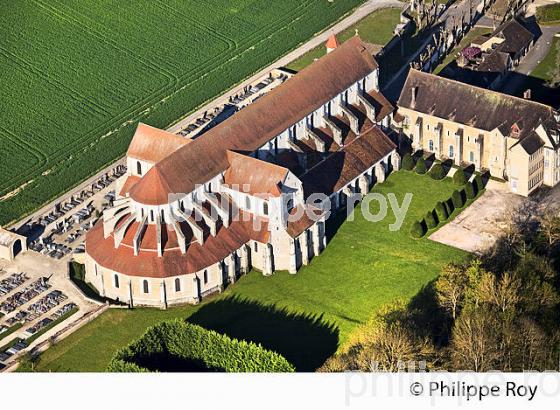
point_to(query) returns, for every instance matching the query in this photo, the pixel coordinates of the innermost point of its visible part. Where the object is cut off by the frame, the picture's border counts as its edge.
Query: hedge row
(420, 167)
(186, 341)
(444, 209)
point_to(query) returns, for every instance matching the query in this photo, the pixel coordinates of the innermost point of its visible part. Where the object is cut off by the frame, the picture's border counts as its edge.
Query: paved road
(535, 55)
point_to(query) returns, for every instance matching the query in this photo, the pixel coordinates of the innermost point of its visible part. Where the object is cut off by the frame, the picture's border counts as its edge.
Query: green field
(548, 69)
(377, 28)
(307, 316)
(77, 75)
(548, 14)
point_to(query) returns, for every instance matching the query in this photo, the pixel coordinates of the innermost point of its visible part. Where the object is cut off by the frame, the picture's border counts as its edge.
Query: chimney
(413, 97)
(527, 94)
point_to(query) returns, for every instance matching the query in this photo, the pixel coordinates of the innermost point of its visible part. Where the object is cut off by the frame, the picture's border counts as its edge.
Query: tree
(418, 229)
(470, 190)
(421, 166)
(459, 177)
(474, 343)
(431, 220)
(457, 199)
(408, 162)
(441, 211)
(437, 172)
(503, 293)
(451, 287)
(479, 184)
(386, 342)
(550, 227)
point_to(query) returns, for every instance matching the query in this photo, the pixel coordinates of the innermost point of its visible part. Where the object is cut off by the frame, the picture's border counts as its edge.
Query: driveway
(478, 227)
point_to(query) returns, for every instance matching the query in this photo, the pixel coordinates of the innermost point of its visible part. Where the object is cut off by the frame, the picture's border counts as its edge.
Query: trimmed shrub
(181, 341)
(421, 166)
(478, 183)
(470, 190)
(437, 172)
(431, 220)
(441, 212)
(408, 162)
(459, 177)
(457, 200)
(418, 229)
(449, 206)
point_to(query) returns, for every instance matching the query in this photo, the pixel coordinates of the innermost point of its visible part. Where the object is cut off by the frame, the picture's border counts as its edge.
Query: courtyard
(479, 226)
(305, 317)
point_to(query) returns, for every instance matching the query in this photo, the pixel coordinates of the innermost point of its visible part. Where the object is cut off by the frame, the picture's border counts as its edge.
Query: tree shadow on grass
(427, 316)
(305, 340)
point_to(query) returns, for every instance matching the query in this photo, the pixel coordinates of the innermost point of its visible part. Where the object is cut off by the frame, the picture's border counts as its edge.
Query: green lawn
(306, 316)
(544, 80)
(376, 28)
(548, 14)
(548, 68)
(471, 35)
(78, 75)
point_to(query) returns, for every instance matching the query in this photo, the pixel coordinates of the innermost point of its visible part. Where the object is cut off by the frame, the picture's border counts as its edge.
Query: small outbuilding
(11, 244)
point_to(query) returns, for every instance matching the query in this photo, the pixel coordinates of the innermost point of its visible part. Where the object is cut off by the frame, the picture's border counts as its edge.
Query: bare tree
(474, 342)
(451, 287)
(503, 293)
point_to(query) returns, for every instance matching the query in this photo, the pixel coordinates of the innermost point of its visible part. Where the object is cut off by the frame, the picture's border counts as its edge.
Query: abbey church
(194, 214)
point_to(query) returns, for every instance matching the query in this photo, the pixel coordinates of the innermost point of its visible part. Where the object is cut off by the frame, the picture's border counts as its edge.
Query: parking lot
(34, 293)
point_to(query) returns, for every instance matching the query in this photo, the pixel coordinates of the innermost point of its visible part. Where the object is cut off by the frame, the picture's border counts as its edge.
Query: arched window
(451, 153)
(248, 202)
(162, 216)
(177, 285)
(116, 281)
(138, 168)
(145, 286)
(265, 208)
(256, 247)
(471, 156)
(151, 215)
(205, 277)
(430, 145)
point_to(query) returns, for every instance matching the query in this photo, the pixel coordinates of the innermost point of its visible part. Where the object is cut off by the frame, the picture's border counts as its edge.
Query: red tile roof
(258, 123)
(309, 216)
(128, 184)
(254, 176)
(332, 42)
(344, 165)
(172, 263)
(152, 189)
(152, 144)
